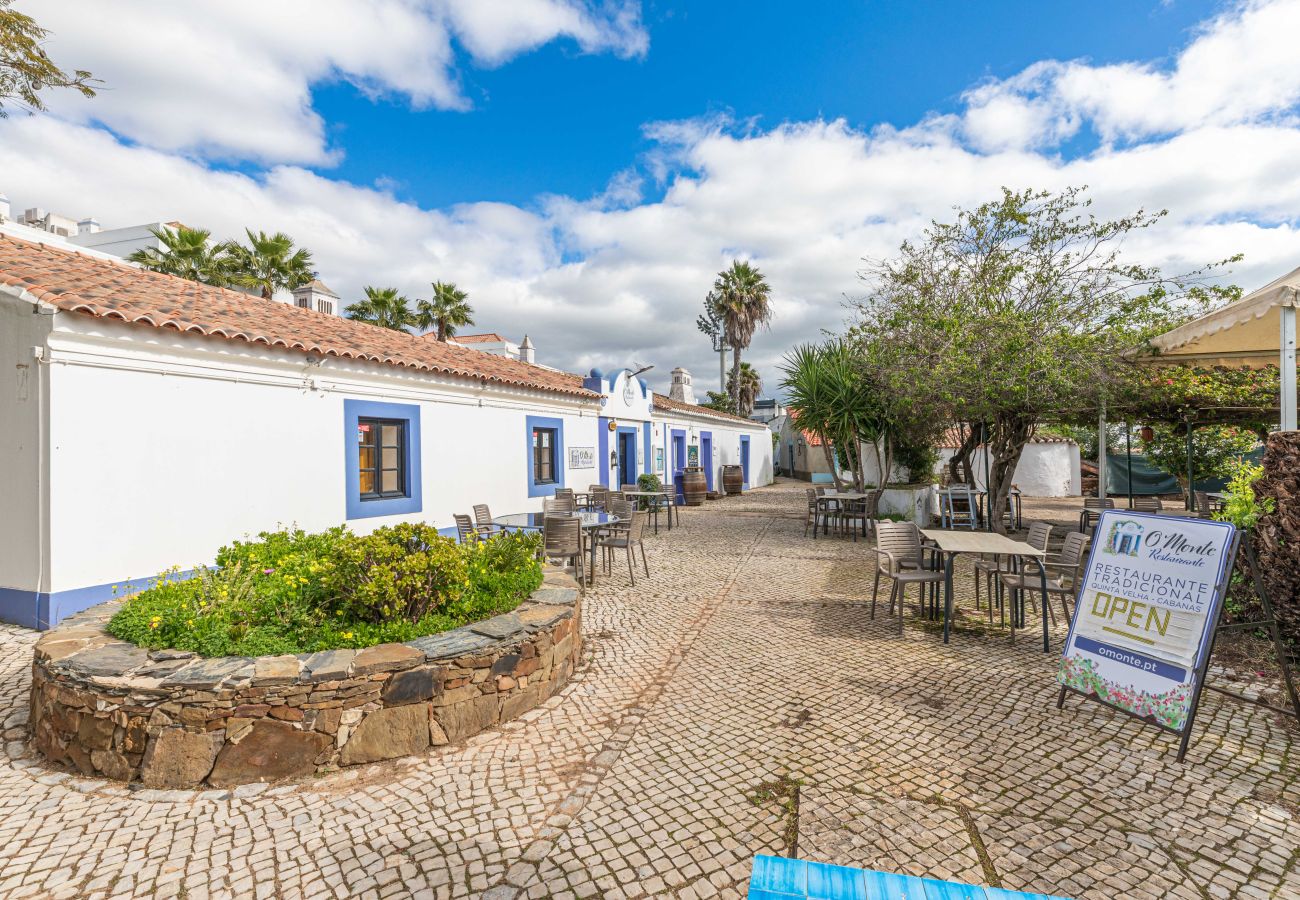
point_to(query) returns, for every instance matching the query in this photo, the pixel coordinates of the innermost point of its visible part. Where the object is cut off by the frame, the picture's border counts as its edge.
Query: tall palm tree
(742, 300)
(750, 385)
(384, 307)
(186, 253)
(269, 263)
(448, 311)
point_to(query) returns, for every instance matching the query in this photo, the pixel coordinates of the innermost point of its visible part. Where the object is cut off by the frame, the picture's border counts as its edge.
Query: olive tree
(1019, 311)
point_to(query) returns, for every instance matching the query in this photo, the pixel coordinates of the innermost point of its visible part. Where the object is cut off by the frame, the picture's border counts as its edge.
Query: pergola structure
(1257, 331)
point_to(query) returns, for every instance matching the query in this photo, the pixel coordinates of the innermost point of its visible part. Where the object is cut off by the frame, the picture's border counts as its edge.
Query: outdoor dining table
(667, 496)
(836, 496)
(534, 521)
(953, 543)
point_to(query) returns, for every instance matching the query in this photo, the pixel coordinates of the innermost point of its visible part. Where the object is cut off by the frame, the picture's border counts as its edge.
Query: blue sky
(560, 121)
(584, 168)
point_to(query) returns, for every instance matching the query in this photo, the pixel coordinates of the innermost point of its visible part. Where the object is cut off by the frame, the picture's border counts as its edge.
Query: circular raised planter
(171, 719)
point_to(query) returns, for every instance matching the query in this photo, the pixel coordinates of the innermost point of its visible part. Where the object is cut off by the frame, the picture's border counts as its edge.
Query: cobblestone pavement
(738, 701)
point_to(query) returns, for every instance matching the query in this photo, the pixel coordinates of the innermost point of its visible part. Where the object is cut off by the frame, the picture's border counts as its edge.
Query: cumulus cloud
(232, 79)
(609, 279)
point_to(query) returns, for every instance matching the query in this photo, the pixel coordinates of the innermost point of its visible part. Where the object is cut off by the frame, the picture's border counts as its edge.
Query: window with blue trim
(381, 445)
(544, 462)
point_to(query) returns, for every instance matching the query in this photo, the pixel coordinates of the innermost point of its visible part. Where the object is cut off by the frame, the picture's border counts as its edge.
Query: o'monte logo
(1124, 539)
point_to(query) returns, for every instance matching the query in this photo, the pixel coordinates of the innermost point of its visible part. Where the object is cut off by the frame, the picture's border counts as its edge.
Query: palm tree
(384, 307)
(447, 311)
(741, 299)
(269, 263)
(750, 385)
(186, 253)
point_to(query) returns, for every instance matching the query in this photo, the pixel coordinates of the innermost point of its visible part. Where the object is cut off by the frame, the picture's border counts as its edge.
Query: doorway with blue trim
(627, 456)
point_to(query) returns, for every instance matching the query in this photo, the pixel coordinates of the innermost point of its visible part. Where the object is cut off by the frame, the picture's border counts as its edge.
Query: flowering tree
(1020, 311)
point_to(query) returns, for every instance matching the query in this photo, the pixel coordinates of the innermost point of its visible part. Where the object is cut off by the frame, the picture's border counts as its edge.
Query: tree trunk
(830, 461)
(735, 378)
(1277, 534)
(1006, 442)
(959, 467)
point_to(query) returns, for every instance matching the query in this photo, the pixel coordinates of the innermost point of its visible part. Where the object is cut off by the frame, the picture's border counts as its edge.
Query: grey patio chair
(1092, 507)
(1204, 505)
(562, 540)
(566, 492)
(599, 495)
(813, 517)
(466, 531)
(987, 569)
(958, 506)
(483, 518)
(1147, 504)
(628, 538)
(900, 555)
(1067, 566)
(559, 505)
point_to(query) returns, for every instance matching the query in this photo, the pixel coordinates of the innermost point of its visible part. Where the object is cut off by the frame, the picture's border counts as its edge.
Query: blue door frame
(627, 468)
(706, 456)
(744, 459)
(678, 461)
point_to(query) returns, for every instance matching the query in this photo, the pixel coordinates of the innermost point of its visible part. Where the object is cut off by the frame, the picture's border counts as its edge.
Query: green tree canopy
(741, 302)
(186, 253)
(268, 263)
(751, 383)
(1020, 311)
(385, 307)
(447, 312)
(26, 69)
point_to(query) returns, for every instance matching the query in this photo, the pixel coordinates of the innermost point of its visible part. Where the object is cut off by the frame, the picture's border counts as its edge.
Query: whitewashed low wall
(917, 503)
(1044, 470)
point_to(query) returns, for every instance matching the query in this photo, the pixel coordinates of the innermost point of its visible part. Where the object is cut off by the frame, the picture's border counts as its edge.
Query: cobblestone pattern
(747, 659)
(103, 707)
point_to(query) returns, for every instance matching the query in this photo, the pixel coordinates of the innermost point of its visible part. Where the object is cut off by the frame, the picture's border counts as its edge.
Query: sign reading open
(1148, 607)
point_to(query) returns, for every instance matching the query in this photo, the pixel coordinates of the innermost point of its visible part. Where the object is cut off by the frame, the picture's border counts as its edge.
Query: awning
(1245, 334)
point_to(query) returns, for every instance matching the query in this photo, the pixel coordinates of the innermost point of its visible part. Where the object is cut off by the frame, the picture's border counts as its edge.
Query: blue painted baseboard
(43, 610)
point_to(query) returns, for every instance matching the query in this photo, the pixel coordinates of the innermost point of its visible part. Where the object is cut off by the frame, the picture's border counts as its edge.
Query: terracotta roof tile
(489, 337)
(665, 402)
(951, 439)
(106, 289)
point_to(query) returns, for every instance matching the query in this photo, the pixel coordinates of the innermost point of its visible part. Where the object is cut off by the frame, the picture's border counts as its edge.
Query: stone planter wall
(173, 720)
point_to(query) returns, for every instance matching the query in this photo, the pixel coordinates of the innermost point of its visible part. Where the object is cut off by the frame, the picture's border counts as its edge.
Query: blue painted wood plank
(885, 886)
(1003, 894)
(780, 875)
(827, 882)
(760, 894)
(951, 890)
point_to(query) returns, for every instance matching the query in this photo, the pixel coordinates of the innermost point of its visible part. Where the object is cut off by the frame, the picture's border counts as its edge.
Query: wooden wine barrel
(694, 486)
(733, 479)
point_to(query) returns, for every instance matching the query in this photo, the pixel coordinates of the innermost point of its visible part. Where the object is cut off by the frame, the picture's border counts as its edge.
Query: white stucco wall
(1044, 470)
(163, 449)
(726, 444)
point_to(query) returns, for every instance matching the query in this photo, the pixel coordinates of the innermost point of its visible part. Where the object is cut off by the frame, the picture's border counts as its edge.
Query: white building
(149, 420)
(1048, 466)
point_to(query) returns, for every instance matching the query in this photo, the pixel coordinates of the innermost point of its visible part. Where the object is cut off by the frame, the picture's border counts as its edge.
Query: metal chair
(483, 518)
(1039, 534)
(900, 555)
(1068, 564)
(627, 538)
(958, 506)
(1092, 507)
(562, 540)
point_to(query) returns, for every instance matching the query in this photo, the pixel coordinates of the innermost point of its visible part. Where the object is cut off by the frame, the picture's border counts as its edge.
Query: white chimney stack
(4, 208)
(526, 350)
(88, 226)
(681, 389)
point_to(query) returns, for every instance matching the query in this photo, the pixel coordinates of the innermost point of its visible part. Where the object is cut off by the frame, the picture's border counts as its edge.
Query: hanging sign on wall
(693, 455)
(582, 457)
(1147, 611)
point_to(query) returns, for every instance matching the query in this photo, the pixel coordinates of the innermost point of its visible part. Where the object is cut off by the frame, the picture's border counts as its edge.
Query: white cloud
(232, 79)
(615, 278)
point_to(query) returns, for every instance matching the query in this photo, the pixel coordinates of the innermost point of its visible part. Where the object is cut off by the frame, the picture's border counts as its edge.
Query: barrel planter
(694, 487)
(733, 479)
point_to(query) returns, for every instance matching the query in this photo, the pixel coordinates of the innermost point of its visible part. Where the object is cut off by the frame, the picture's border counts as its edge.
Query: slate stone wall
(170, 719)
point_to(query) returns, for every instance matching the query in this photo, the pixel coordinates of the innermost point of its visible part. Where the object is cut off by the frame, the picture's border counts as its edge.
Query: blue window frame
(543, 431)
(365, 422)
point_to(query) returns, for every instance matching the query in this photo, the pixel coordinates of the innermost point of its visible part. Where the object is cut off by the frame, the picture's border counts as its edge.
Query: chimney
(88, 226)
(526, 350)
(4, 208)
(681, 389)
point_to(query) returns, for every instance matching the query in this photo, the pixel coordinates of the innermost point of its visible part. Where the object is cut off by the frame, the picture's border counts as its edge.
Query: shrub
(1215, 449)
(292, 592)
(1240, 505)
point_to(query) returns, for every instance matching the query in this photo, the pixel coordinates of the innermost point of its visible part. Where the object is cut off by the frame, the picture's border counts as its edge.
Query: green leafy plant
(1241, 506)
(1215, 450)
(647, 481)
(291, 591)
